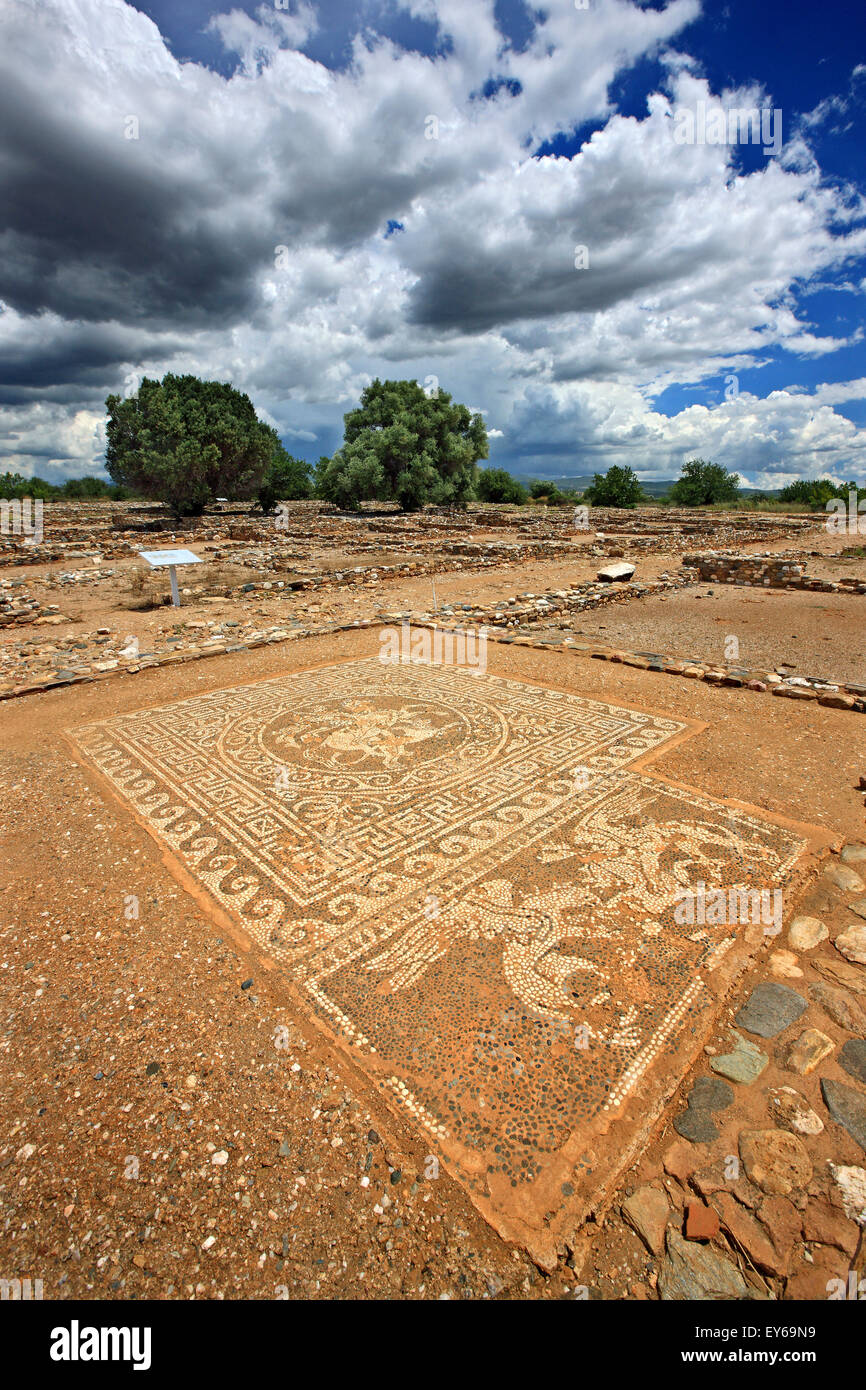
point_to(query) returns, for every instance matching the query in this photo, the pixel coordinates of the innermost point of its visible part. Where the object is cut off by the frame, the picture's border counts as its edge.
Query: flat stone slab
(744, 1063)
(845, 878)
(775, 1160)
(841, 973)
(841, 1007)
(769, 1009)
(610, 574)
(808, 1051)
(852, 943)
(807, 932)
(490, 939)
(853, 1058)
(696, 1126)
(647, 1211)
(692, 1271)
(708, 1093)
(847, 1106)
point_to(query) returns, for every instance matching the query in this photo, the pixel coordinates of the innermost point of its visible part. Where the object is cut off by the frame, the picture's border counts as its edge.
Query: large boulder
(621, 571)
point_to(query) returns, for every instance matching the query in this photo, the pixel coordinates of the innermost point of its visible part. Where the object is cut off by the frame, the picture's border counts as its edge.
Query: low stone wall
(765, 571)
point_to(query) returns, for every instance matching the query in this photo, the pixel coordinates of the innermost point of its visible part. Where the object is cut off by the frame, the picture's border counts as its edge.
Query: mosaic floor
(471, 886)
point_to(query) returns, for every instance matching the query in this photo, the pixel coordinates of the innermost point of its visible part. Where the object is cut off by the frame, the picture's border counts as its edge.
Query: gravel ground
(816, 634)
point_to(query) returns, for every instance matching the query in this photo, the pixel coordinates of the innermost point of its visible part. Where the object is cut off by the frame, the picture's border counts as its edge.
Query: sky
(555, 211)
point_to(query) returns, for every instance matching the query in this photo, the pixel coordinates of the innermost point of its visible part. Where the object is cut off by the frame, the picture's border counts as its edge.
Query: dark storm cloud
(125, 256)
(79, 355)
(94, 231)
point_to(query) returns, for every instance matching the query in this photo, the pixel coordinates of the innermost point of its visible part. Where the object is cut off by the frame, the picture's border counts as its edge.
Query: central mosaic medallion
(470, 885)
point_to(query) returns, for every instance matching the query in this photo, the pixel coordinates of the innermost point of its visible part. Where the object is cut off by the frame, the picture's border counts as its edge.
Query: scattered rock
(696, 1126)
(744, 1064)
(647, 1211)
(841, 973)
(775, 1160)
(806, 932)
(851, 1183)
(858, 906)
(717, 1178)
(840, 1007)
(853, 854)
(679, 1162)
(822, 1223)
(748, 1233)
(692, 1271)
(843, 877)
(814, 1282)
(853, 1058)
(852, 943)
(702, 1222)
(784, 1224)
(710, 1094)
(809, 1049)
(792, 1111)
(784, 963)
(769, 1009)
(847, 1106)
(612, 574)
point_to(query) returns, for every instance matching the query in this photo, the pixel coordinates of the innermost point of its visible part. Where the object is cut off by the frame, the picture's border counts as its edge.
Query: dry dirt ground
(814, 634)
(158, 1143)
(172, 1125)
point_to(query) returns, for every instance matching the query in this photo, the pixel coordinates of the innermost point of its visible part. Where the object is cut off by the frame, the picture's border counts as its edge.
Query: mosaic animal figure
(624, 879)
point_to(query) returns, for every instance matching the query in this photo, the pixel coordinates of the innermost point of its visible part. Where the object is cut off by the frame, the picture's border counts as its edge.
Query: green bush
(286, 479)
(94, 487)
(618, 487)
(817, 492)
(496, 485)
(542, 491)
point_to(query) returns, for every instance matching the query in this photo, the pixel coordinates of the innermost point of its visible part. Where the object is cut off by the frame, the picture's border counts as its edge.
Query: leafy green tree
(404, 446)
(287, 478)
(814, 492)
(14, 485)
(497, 485)
(702, 483)
(618, 487)
(185, 441)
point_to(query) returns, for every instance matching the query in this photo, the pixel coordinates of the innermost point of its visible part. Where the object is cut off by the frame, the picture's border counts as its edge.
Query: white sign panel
(169, 557)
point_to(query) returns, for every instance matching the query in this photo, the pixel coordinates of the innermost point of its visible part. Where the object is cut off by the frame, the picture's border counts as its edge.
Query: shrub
(286, 479)
(618, 487)
(496, 485)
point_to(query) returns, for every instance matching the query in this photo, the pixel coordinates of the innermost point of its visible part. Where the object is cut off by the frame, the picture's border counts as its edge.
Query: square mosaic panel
(470, 885)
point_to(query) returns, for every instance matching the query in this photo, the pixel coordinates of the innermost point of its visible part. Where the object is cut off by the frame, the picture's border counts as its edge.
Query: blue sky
(718, 308)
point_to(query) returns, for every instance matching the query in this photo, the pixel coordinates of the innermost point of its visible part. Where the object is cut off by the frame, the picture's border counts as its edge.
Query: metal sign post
(159, 559)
